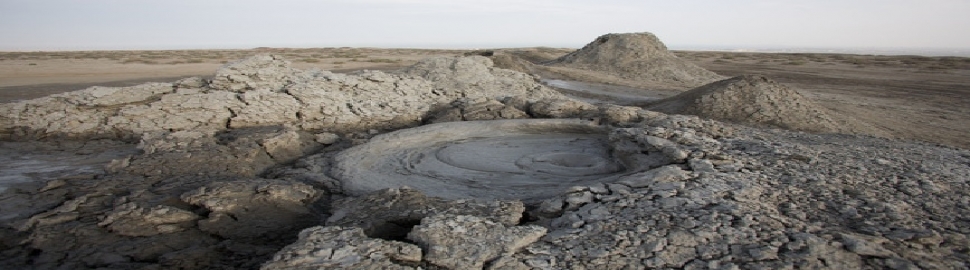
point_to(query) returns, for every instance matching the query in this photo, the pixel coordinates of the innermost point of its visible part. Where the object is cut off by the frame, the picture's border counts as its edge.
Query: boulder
(467, 242)
(254, 208)
(336, 247)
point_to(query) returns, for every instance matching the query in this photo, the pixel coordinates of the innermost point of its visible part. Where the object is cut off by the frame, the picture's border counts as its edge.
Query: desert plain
(906, 96)
(618, 155)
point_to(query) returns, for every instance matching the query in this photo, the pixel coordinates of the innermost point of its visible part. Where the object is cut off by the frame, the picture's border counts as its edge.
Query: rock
(617, 115)
(63, 213)
(199, 112)
(326, 138)
(113, 96)
(481, 109)
(551, 207)
(562, 108)
(132, 220)
(256, 208)
(763, 253)
(260, 72)
(475, 77)
(264, 108)
(599, 188)
(865, 246)
(575, 200)
(287, 146)
(242, 153)
(702, 165)
(507, 263)
(665, 174)
(265, 91)
(335, 247)
(641, 151)
(467, 242)
(191, 83)
(116, 165)
(391, 213)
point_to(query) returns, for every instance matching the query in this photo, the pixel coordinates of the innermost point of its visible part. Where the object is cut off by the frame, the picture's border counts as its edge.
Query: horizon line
(922, 51)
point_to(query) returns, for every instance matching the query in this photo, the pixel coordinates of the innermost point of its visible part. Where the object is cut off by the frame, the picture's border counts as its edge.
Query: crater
(507, 159)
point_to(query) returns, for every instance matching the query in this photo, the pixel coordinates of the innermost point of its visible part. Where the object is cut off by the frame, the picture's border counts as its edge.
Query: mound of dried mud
(759, 101)
(636, 56)
(264, 91)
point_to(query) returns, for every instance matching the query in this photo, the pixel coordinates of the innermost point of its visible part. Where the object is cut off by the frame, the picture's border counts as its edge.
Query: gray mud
(27, 162)
(507, 159)
(604, 93)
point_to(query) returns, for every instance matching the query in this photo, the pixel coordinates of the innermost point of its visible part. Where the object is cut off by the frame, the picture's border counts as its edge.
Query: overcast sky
(201, 24)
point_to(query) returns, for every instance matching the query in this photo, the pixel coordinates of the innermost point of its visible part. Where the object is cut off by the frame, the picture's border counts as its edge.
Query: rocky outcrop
(467, 242)
(391, 213)
(267, 72)
(479, 109)
(254, 209)
(337, 247)
(265, 91)
(236, 153)
(475, 77)
(131, 220)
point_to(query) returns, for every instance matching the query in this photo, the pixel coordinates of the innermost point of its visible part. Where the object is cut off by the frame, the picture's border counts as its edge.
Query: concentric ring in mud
(504, 159)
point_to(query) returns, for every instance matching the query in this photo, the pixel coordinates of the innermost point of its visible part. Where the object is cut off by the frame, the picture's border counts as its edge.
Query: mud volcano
(508, 159)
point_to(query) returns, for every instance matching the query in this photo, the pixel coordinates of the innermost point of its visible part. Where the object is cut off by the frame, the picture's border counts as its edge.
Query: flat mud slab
(10, 94)
(507, 159)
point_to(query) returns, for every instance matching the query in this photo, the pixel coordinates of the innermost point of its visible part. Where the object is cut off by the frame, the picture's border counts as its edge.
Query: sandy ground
(920, 98)
(26, 75)
(911, 97)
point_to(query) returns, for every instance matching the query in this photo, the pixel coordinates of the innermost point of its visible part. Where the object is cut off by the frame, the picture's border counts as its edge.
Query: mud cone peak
(636, 56)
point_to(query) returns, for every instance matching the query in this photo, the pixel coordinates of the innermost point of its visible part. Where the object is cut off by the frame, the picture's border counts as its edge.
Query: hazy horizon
(933, 27)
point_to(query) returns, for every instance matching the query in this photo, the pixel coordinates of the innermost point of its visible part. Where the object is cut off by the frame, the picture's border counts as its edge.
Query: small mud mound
(752, 99)
(636, 56)
(504, 159)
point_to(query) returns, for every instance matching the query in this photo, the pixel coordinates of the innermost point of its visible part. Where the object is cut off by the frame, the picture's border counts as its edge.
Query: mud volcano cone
(636, 56)
(751, 99)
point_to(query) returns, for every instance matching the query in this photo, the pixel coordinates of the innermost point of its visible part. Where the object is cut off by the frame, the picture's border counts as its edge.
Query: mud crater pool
(506, 159)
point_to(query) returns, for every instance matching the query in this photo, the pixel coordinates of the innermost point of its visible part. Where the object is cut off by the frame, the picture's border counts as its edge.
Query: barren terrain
(910, 97)
(26, 75)
(913, 97)
(526, 158)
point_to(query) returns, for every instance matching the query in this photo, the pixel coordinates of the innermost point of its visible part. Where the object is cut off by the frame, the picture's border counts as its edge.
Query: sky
(32, 25)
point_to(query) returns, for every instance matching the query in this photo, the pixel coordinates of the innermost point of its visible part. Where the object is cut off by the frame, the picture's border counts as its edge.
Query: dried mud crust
(695, 194)
(266, 90)
(759, 101)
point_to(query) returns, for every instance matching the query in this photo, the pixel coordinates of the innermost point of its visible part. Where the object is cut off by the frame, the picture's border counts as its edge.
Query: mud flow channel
(599, 93)
(507, 159)
(24, 162)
